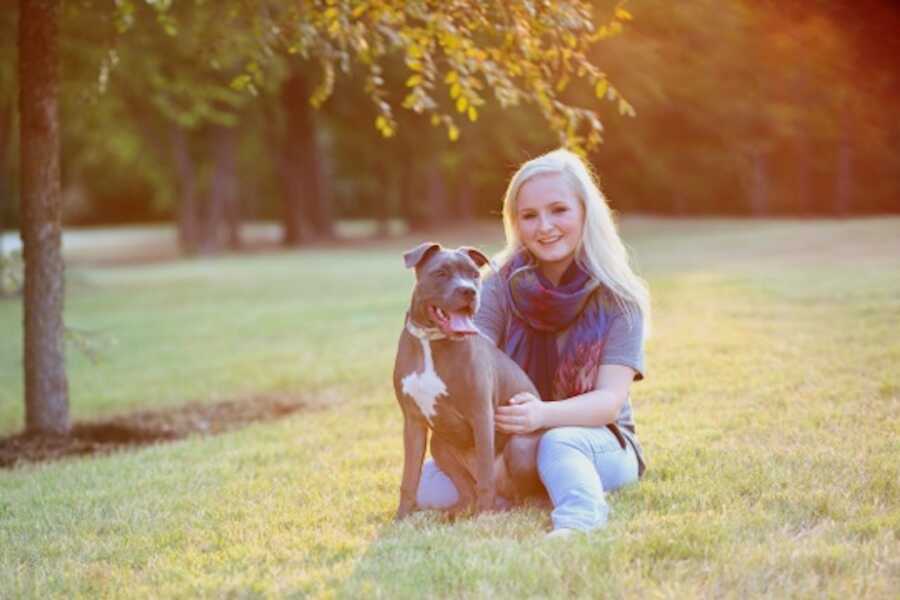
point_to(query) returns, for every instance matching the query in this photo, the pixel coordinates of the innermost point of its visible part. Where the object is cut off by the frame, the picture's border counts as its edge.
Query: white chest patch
(425, 387)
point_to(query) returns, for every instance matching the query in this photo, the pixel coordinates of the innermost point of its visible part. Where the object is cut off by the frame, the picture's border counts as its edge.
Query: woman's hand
(524, 414)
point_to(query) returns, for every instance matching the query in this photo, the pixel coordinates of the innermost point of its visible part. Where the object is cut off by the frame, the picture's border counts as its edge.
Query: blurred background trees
(743, 108)
(154, 94)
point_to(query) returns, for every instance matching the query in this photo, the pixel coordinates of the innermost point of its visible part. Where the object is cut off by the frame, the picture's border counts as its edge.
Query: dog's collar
(424, 333)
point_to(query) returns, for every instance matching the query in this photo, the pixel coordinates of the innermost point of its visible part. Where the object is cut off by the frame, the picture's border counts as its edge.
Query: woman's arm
(596, 408)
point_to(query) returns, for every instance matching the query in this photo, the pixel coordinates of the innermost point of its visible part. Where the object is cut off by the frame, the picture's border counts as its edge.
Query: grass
(770, 417)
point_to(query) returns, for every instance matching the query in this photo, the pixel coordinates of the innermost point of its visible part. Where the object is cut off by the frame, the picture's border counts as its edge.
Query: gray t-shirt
(623, 343)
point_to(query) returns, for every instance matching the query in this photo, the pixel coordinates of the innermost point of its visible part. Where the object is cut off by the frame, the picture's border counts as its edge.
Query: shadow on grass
(144, 428)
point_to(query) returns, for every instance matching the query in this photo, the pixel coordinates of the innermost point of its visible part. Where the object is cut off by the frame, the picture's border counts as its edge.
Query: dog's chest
(425, 386)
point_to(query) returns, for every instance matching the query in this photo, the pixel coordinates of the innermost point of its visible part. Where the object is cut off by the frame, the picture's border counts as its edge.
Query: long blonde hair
(600, 252)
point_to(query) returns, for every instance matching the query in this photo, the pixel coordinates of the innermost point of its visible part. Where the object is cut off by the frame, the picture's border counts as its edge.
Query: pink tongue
(461, 323)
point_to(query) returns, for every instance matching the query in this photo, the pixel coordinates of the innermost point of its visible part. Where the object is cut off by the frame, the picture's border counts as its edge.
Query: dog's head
(447, 289)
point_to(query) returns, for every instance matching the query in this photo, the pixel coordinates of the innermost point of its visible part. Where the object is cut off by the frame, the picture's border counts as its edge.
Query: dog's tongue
(460, 323)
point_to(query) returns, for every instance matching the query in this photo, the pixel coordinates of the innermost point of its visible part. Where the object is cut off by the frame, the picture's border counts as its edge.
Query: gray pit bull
(449, 378)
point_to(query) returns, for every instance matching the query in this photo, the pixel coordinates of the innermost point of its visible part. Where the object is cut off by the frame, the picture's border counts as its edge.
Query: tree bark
(759, 193)
(307, 212)
(5, 171)
(46, 386)
(187, 190)
(389, 175)
(320, 168)
(220, 217)
(233, 189)
(843, 185)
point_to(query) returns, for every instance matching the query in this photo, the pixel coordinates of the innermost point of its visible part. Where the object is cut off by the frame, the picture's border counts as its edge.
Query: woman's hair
(600, 252)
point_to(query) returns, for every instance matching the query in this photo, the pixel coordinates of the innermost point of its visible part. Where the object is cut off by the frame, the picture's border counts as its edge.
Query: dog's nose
(467, 293)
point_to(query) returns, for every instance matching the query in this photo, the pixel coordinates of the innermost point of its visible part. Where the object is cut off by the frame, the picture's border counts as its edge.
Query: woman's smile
(550, 220)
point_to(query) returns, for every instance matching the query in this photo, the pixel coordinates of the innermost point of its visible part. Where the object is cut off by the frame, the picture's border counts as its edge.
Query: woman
(567, 307)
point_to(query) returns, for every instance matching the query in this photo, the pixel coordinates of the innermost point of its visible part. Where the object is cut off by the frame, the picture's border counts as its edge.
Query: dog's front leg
(485, 479)
(415, 434)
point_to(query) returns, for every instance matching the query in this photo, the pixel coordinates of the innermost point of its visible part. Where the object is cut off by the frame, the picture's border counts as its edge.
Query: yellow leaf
(473, 114)
(360, 9)
(461, 104)
(455, 90)
(414, 80)
(600, 90)
(453, 133)
(435, 120)
(623, 15)
(602, 33)
(381, 122)
(452, 77)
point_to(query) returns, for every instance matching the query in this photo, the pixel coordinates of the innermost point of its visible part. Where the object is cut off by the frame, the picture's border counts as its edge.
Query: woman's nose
(544, 223)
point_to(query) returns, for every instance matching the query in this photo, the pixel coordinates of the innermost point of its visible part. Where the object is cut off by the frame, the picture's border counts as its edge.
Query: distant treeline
(743, 108)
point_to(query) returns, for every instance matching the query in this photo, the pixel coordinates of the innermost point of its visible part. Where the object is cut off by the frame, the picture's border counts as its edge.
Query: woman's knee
(521, 453)
(560, 438)
(436, 490)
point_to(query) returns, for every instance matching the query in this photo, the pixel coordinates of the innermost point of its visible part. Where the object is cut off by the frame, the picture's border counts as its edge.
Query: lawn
(770, 417)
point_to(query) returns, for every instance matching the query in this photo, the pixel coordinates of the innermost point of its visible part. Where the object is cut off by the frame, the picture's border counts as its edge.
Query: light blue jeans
(578, 465)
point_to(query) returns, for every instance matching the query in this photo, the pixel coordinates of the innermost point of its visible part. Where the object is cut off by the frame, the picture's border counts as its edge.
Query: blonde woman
(567, 307)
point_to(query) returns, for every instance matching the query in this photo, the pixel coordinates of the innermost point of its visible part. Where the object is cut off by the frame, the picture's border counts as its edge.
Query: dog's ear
(418, 254)
(477, 256)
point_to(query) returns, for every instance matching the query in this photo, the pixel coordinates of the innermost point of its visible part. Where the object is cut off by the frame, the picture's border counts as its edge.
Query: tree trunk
(759, 192)
(222, 215)
(411, 194)
(320, 168)
(465, 194)
(299, 164)
(233, 189)
(5, 173)
(803, 178)
(187, 190)
(437, 195)
(843, 185)
(391, 182)
(46, 386)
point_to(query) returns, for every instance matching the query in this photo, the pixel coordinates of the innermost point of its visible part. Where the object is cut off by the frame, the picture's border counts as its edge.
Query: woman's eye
(528, 217)
(560, 209)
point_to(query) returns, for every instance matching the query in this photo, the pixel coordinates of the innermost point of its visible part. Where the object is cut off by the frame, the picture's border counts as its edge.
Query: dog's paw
(403, 511)
(463, 508)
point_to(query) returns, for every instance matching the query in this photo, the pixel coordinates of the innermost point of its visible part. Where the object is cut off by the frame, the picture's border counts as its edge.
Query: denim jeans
(577, 465)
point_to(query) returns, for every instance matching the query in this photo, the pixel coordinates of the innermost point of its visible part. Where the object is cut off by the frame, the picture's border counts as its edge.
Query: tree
(46, 386)
(455, 53)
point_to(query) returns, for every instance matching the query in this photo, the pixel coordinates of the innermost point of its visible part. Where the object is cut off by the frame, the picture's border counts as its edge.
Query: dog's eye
(442, 273)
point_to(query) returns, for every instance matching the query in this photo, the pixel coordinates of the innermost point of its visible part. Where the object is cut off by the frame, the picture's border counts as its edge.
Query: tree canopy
(455, 54)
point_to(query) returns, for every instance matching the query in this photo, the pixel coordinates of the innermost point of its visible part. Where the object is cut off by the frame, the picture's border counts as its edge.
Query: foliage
(456, 55)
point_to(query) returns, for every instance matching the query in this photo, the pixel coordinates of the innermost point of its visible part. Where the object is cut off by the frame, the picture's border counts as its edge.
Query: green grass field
(770, 417)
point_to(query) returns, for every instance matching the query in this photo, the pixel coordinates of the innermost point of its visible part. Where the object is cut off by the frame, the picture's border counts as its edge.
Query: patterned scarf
(540, 312)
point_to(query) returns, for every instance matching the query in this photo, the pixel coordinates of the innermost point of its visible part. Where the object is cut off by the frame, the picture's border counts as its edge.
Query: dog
(449, 379)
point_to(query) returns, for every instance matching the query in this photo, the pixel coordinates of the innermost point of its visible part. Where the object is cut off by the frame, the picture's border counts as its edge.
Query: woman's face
(550, 220)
